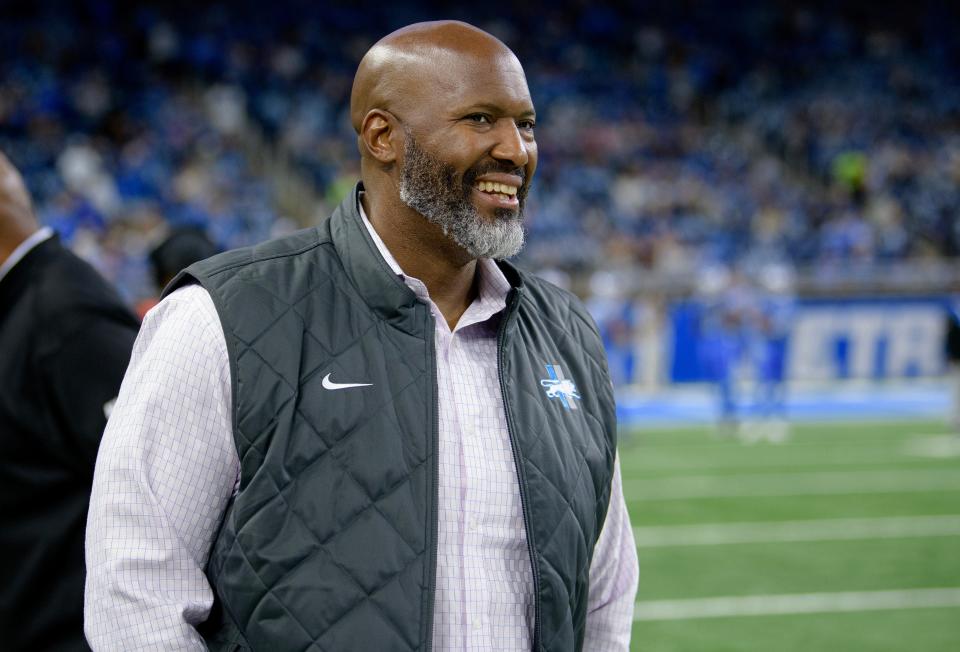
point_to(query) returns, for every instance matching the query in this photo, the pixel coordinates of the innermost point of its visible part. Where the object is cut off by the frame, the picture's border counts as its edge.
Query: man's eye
(480, 118)
(528, 125)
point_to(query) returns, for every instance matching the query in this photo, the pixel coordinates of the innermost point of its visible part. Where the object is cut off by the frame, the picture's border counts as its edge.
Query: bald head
(17, 221)
(419, 60)
(445, 128)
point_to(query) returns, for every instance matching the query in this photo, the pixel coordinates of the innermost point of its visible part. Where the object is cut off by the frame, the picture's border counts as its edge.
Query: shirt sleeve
(165, 473)
(613, 578)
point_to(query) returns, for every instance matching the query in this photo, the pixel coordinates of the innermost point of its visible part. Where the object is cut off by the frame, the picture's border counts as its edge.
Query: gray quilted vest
(330, 543)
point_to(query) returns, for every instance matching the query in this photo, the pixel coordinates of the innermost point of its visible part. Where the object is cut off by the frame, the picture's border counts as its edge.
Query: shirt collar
(493, 286)
(378, 241)
(24, 248)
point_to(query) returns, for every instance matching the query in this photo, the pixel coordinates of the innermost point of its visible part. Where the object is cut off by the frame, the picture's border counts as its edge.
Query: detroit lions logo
(560, 388)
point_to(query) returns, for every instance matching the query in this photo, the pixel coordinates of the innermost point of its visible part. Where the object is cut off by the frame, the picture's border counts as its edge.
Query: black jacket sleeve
(82, 376)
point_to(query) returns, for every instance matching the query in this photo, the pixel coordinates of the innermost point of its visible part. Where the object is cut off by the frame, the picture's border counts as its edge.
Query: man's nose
(511, 145)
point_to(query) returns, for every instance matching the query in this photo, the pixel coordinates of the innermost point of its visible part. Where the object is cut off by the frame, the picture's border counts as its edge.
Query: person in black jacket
(65, 340)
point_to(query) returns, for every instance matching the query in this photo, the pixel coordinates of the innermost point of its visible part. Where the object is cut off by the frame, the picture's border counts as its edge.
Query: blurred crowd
(673, 137)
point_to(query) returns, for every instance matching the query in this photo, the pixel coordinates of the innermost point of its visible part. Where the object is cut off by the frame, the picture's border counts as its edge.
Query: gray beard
(429, 187)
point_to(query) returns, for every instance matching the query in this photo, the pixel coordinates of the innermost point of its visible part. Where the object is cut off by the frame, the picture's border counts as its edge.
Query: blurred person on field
(375, 434)
(769, 329)
(724, 305)
(65, 340)
(180, 249)
(951, 349)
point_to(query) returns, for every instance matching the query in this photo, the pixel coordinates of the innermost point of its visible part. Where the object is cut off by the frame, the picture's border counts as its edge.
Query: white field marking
(809, 454)
(793, 484)
(793, 443)
(799, 435)
(858, 456)
(943, 446)
(833, 529)
(800, 603)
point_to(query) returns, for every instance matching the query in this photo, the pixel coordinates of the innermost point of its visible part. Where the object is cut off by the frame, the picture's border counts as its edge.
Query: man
(370, 435)
(65, 340)
(951, 350)
(181, 248)
(770, 319)
(725, 304)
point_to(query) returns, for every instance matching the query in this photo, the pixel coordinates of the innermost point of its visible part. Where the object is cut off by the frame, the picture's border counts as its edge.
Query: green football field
(845, 537)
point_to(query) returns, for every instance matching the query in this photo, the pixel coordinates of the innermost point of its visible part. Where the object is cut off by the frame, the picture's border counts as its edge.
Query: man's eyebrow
(497, 109)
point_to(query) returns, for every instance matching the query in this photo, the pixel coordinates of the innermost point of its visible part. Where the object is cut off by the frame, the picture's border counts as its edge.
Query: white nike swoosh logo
(329, 384)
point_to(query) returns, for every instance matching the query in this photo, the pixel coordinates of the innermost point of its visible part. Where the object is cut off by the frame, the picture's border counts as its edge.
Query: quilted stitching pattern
(555, 451)
(364, 562)
(326, 546)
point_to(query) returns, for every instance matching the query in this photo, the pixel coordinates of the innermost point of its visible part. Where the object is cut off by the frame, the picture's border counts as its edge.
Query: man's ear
(378, 133)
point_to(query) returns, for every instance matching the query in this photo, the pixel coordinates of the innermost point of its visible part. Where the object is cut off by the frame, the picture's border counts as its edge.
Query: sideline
(792, 484)
(801, 603)
(833, 529)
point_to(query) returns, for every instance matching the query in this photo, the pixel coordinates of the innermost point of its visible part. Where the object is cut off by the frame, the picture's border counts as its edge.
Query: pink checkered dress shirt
(168, 467)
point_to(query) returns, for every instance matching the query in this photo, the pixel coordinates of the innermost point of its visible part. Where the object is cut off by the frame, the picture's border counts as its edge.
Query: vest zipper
(521, 476)
(435, 480)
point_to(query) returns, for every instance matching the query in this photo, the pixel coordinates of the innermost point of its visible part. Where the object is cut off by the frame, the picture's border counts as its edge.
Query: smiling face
(444, 111)
(470, 154)
(436, 191)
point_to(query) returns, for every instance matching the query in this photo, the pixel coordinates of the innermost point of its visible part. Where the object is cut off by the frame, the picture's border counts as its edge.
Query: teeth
(497, 188)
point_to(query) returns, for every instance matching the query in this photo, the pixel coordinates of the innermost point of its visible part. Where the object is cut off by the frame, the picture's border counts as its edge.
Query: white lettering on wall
(866, 341)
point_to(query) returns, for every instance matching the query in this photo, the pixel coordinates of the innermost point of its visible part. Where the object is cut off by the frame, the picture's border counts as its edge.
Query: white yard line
(813, 461)
(834, 529)
(706, 445)
(793, 484)
(802, 603)
(943, 446)
(813, 456)
(706, 441)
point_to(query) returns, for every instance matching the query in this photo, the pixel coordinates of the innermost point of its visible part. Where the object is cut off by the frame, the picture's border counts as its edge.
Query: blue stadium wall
(890, 338)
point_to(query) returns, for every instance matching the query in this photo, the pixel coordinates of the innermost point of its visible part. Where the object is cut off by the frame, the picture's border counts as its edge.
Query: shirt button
(477, 623)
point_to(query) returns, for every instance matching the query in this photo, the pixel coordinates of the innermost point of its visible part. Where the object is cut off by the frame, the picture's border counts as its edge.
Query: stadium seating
(670, 139)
